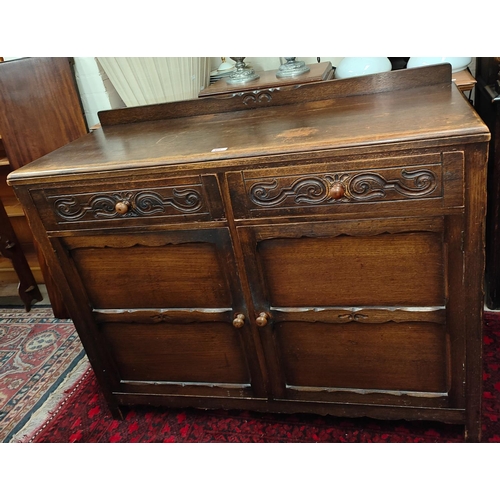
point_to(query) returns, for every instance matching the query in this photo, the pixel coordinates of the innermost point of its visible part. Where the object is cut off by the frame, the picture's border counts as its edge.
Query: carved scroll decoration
(102, 206)
(352, 317)
(257, 98)
(316, 190)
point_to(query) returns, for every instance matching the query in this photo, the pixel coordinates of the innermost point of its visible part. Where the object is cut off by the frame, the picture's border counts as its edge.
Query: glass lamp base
(241, 74)
(292, 68)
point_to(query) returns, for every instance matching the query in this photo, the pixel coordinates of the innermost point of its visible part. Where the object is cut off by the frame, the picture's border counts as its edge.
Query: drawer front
(424, 181)
(125, 204)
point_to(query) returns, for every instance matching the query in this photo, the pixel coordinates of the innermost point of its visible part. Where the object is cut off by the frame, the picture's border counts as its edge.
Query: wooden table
(268, 79)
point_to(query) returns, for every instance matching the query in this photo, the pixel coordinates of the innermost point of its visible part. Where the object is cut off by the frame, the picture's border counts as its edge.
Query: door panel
(187, 275)
(164, 305)
(383, 270)
(363, 306)
(197, 352)
(391, 356)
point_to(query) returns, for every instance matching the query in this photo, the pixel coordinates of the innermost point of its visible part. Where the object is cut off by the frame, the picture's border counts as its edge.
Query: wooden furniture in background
(316, 250)
(19, 269)
(487, 104)
(464, 80)
(40, 111)
(267, 79)
(10, 248)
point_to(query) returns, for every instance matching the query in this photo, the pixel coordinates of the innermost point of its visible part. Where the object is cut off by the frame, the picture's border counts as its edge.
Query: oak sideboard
(314, 249)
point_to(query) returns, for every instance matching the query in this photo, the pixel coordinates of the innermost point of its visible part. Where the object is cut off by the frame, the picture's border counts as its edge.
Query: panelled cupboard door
(360, 311)
(168, 310)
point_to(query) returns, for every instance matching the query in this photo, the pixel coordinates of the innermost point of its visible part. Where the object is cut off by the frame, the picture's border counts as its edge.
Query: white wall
(95, 89)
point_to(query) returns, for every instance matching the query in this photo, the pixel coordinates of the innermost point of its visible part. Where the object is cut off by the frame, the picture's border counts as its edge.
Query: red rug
(38, 355)
(83, 417)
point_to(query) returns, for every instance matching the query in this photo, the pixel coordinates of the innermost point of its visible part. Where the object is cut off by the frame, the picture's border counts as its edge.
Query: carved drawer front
(423, 181)
(124, 204)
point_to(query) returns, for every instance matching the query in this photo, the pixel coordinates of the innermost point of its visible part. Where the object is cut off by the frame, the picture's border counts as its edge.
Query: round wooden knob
(122, 207)
(261, 319)
(337, 190)
(239, 321)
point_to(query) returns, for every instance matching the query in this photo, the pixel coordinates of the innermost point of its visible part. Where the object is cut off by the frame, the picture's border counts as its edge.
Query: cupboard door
(169, 311)
(359, 311)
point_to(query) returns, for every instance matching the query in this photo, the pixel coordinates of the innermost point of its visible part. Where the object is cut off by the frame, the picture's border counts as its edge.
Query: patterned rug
(82, 416)
(39, 357)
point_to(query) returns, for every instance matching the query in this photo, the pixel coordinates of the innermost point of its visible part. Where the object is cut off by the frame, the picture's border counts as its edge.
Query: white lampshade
(457, 63)
(358, 66)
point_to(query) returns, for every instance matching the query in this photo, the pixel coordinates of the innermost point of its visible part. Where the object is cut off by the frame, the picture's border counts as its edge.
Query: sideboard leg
(116, 411)
(473, 431)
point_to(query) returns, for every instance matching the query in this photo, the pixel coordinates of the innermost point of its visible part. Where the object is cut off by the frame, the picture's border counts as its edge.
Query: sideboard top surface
(322, 120)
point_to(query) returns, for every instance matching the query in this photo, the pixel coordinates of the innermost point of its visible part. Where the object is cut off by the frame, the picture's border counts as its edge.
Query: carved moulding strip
(258, 97)
(171, 315)
(354, 187)
(254, 98)
(142, 203)
(366, 314)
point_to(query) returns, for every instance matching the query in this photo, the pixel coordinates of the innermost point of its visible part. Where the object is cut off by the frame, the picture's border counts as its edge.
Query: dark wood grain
(309, 129)
(331, 89)
(10, 248)
(392, 357)
(184, 275)
(40, 111)
(193, 353)
(404, 269)
(329, 260)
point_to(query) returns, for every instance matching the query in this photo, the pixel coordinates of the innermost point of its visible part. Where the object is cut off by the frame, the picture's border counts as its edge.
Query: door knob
(261, 319)
(122, 207)
(239, 320)
(337, 190)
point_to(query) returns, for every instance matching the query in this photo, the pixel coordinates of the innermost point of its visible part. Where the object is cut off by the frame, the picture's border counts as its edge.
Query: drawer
(352, 186)
(130, 203)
